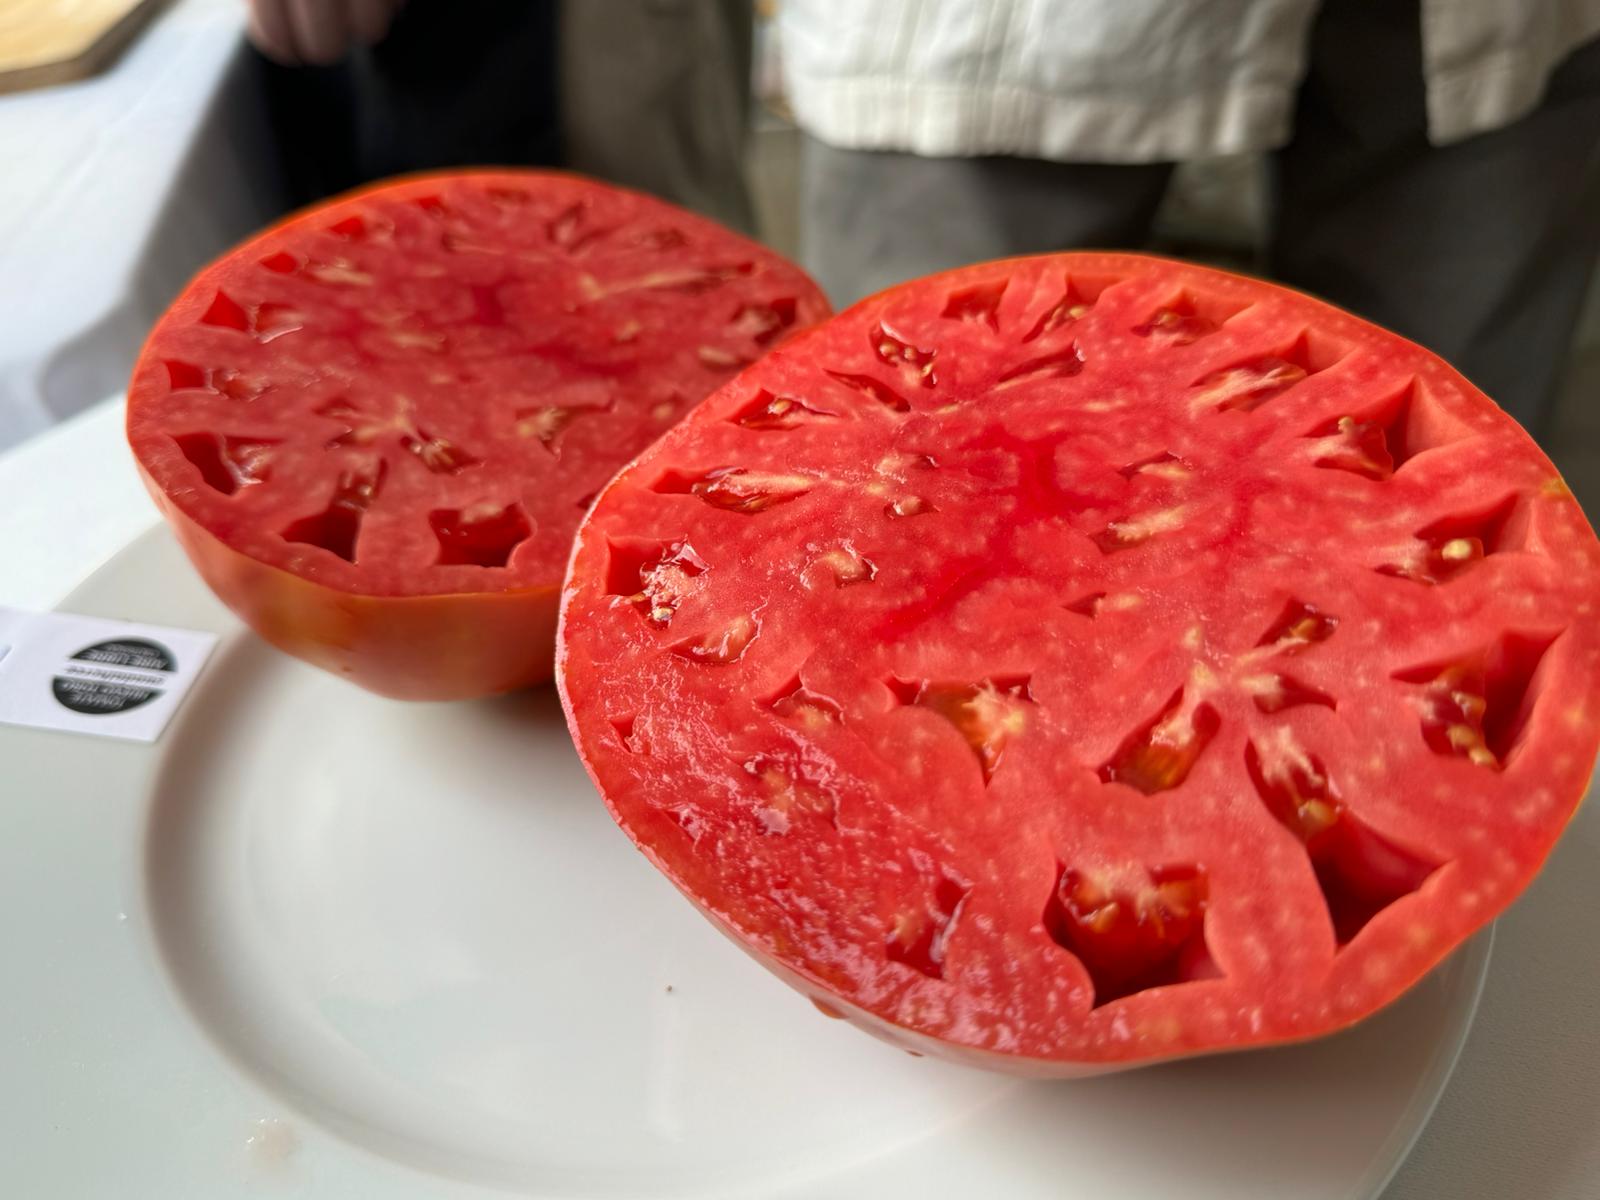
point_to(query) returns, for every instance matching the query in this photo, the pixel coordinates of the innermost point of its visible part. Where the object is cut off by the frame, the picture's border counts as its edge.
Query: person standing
(651, 94)
(1435, 165)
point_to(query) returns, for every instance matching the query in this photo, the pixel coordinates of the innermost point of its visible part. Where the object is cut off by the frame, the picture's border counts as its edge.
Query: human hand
(317, 32)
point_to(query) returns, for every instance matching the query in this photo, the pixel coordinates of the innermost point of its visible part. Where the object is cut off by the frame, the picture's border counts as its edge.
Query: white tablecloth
(112, 192)
(1520, 1119)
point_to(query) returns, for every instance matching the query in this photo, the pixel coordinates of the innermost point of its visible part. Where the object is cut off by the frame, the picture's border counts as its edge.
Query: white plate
(319, 944)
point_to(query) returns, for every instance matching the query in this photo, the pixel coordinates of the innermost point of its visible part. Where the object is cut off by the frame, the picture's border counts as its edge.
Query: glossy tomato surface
(376, 426)
(1080, 661)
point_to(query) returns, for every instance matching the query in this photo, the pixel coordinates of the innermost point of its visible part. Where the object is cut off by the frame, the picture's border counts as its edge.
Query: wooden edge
(91, 60)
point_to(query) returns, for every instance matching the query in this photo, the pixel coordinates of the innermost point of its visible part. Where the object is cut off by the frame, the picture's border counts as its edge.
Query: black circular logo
(113, 677)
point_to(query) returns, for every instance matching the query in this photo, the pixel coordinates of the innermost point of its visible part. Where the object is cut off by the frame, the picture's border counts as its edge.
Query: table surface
(1521, 1117)
(113, 190)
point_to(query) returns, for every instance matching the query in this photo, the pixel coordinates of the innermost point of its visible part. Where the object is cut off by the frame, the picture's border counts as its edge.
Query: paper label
(90, 675)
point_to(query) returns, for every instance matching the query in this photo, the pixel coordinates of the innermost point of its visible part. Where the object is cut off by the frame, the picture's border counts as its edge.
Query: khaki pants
(656, 94)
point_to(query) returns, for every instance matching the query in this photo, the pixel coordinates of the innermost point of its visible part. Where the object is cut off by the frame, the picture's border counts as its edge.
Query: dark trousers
(651, 95)
(1481, 250)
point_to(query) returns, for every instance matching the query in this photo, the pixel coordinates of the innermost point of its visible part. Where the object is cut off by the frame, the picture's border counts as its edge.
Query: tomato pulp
(376, 426)
(1080, 661)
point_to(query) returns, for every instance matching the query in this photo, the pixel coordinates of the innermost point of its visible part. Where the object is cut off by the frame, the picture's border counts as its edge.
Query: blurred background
(142, 137)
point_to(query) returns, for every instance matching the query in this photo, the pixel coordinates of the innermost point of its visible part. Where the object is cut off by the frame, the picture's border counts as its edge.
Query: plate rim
(1471, 959)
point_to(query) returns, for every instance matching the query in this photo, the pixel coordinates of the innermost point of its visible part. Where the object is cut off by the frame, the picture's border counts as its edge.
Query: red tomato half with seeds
(376, 426)
(1075, 662)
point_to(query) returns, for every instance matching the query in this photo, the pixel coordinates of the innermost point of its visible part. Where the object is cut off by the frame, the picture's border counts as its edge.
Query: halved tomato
(1073, 662)
(376, 426)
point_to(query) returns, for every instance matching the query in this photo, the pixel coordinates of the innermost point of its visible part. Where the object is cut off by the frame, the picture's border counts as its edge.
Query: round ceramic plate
(320, 944)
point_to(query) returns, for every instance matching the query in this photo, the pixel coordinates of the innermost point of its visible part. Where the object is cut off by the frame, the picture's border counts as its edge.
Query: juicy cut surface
(1091, 659)
(417, 389)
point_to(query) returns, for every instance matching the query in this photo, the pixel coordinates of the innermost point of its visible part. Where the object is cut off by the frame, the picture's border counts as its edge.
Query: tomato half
(1074, 662)
(376, 426)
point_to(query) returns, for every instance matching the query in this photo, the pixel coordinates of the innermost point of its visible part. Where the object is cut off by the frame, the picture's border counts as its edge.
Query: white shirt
(1131, 80)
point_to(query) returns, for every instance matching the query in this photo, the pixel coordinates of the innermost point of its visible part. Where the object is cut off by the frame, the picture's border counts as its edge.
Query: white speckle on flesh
(716, 356)
(339, 272)
(1162, 1029)
(1140, 528)
(412, 340)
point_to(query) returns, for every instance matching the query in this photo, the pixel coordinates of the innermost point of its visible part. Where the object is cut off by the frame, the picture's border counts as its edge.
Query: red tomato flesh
(377, 425)
(1080, 661)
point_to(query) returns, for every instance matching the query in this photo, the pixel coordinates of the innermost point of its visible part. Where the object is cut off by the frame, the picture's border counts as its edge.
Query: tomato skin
(421, 627)
(449, 647)
(922, 1045)
(1304, 935)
